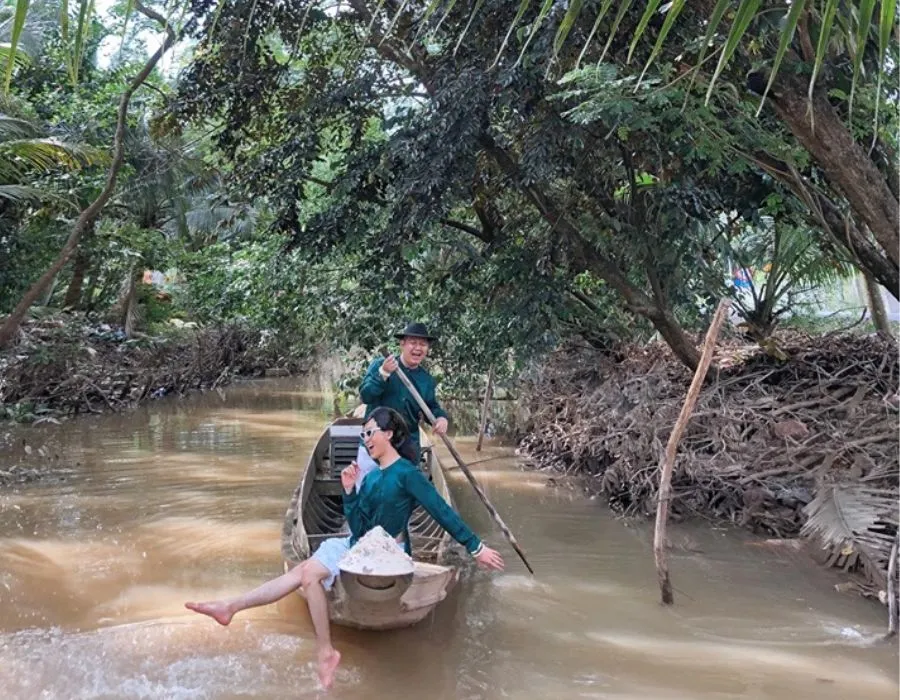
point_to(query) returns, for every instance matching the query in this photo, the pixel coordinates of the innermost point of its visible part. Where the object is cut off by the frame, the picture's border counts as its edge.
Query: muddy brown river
(183, 500)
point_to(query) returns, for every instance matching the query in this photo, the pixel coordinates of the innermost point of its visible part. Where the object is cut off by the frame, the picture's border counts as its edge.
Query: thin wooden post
(892, 590)
(668, 463)
(485, 408)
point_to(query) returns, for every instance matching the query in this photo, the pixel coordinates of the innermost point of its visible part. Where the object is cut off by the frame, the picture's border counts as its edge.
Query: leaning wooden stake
(668, 464)
(892, 590)
(485, 408)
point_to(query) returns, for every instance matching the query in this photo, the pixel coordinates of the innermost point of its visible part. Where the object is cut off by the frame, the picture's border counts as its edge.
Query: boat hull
(315, 514)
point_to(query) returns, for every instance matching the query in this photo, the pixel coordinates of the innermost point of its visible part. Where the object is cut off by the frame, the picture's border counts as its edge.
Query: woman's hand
(349, 476)
(489, 558)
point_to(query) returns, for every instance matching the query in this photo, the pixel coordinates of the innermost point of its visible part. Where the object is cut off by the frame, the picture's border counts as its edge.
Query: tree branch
(87, 216)
(478, 233)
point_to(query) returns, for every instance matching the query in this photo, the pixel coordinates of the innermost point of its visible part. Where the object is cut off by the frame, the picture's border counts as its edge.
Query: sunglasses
(366, 434)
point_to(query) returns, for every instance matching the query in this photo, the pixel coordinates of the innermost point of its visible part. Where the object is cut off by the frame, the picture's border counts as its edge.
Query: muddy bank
(65, 365)
(805, 445)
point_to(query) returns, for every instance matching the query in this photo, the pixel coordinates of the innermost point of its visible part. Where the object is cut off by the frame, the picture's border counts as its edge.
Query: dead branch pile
(807, 444)
(61, 366)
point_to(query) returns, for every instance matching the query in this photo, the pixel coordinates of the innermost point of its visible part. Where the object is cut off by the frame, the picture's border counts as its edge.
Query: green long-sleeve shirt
(392, 392)
(388, 496)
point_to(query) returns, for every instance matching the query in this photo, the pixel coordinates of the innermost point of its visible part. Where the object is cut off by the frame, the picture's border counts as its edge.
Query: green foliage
(314, 179)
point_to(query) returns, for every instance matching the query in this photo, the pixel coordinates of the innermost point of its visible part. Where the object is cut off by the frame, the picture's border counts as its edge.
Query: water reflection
(183, 500)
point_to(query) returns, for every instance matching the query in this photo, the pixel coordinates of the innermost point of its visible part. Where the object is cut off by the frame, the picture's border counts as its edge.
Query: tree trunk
(485, 408)
(587, 257)
(844, 161)
(14, 320)
(79, 270)
(844, 233)
(47, 294)
(876, 306)
(128, 316)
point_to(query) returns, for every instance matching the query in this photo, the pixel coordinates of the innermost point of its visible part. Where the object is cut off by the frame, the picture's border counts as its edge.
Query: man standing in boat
(382, 387)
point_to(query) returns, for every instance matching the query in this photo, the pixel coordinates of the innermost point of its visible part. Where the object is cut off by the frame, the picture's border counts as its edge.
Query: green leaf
(468, 24)
(81, 34)
(824, 36)
(745, 14)
(714, 21)
(542, 15)
(18, 56)
(642, 26)
(523, 7)
(603, 10)
(568, 21)
(396, 17)
(27, 193)
(787, 35)
(623, 8)
(866, 10)
(888, 14)
(886, 26)
(129, 8)
(447, 12)
(671, 16)
(429, 11)
(18, 26)
(64, 21)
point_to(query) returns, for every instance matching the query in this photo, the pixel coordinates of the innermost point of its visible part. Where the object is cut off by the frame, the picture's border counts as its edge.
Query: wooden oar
(462, 465)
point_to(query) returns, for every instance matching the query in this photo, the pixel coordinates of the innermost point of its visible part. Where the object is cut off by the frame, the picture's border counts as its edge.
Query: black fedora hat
(415, 330)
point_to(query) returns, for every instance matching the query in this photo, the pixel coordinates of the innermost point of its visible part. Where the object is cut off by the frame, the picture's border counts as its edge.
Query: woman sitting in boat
(387, 497)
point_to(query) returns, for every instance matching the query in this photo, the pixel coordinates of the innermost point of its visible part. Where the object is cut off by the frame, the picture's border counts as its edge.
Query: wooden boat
(315, 513)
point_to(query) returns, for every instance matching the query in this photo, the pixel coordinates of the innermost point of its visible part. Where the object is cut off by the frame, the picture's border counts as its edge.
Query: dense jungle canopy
(516, 173)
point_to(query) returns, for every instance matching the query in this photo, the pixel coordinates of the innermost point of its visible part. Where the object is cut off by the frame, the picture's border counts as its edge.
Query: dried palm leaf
(855, 519)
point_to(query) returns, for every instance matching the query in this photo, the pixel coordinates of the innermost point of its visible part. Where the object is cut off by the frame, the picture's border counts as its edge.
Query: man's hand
(440, 426)
(348, 476)
(490, 558)
(388, 366)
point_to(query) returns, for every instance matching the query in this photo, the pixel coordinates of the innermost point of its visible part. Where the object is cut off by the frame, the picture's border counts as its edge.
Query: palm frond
(12, 128)
(21, 193)
(16, 55)
(864, 21)
(17, 27)
(45, 154)
(855, 519)
(787, 36)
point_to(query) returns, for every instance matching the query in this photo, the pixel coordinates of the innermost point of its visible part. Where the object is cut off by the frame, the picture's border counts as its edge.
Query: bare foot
(218, 611)
(328, 663)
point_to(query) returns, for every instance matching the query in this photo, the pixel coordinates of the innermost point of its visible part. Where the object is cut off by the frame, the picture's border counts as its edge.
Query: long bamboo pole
(668, 463)
(465, 469)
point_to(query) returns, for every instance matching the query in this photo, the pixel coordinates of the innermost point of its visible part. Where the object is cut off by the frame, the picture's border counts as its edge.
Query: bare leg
(223, 610)
(329, 657)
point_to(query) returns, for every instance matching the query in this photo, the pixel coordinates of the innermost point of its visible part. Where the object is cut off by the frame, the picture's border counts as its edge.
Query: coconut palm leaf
(787, 36)
(21, 193)
(855, 519)
(17, 27)
(17, 55)
(13, 128)
(568, 21)
(864, 22)
(20, 155)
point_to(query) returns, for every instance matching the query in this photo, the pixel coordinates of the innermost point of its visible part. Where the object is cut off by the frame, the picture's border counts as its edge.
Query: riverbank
(795, 442)
(66, 365)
